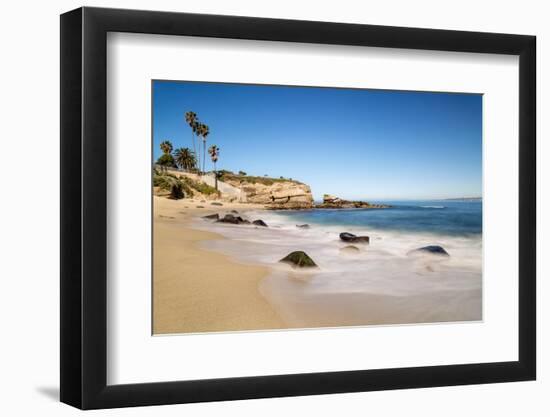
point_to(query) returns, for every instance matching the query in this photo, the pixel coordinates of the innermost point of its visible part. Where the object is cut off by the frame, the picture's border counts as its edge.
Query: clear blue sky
(357, 144)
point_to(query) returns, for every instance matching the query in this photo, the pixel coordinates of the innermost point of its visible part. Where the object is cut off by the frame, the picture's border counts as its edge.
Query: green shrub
(199, 186)
(166, 160)
(169, 182)
(227, 176)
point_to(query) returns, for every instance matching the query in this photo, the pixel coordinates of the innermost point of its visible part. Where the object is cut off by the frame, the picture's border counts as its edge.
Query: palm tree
(166, 159)
(166, 147)
(191, 119)
(185, 158)
(214, 152)
(204, 131)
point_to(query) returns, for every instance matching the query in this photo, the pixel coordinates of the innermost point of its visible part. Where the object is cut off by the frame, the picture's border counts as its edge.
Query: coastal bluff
(274, 193)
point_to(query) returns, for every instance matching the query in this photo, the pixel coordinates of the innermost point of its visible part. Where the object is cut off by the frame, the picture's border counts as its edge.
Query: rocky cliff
(272, 192)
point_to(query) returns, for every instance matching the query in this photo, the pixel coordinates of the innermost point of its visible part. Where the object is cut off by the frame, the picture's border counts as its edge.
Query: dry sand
(200, 291)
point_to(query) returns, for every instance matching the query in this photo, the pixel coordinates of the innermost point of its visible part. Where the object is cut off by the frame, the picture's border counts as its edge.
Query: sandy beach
(211, 277)
(195, 290)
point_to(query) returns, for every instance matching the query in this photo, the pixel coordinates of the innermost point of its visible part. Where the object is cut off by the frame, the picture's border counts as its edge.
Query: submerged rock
(350, 249)
(234, 212)
(299, 259)
(302, 226)
(431, 249)
(215, 216)
(350, 237)
(215, 203)
(200, 207)
(259, 223)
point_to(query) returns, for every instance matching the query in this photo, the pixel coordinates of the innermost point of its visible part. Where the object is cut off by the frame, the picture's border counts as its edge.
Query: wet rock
(431, 249)
(299, 259)
(229, 218)
(215, 203)
(259, 223)
(350, 249)
(234, 212)
(350, 237)
(302, 226)
(200, 206)
(215, 216)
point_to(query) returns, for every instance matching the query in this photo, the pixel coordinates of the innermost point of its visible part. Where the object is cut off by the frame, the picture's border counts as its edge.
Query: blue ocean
(443, 217)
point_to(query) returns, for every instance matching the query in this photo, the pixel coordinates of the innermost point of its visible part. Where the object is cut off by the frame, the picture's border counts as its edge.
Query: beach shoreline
(242, 286)
(195, 290)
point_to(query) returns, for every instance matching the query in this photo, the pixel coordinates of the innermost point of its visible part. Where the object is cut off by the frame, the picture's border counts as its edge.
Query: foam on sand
(379, 284)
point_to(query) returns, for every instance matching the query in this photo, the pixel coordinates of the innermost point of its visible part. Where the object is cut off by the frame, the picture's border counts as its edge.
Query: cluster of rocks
(300, 259)
(234, 219)
(332, 202)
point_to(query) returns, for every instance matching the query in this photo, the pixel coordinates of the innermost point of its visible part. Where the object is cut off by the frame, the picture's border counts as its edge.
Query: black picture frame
(84, 208)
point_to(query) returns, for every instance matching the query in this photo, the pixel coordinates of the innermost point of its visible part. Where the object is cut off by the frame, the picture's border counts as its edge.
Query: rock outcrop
(273, 193)
(332, 202)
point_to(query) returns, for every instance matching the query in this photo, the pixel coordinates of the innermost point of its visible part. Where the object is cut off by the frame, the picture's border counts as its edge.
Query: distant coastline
(463, 199)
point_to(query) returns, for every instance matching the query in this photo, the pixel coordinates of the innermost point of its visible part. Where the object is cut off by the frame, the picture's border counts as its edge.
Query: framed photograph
(260, 208)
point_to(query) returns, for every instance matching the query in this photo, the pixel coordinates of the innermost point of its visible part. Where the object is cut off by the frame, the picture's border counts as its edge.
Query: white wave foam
(382, 267)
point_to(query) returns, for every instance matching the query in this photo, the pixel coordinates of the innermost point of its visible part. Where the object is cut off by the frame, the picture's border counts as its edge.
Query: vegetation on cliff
(242, 177)
(178, 187)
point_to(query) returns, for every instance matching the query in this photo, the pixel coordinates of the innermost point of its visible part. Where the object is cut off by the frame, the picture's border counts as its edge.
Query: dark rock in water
(259, 223)
(299, 259)
(246, 222)
(200, 206)
(229, 218)
(215, 203)
(432, 249)
(234, 212)
(350, 237)
(350, 249)
(212, 217)
(347, 237)
(302, 226)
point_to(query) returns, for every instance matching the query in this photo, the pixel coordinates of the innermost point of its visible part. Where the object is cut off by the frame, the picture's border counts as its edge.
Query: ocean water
(381, 284)
(446, 217)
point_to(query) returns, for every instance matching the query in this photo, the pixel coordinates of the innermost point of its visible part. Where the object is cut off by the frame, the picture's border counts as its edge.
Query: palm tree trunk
(204, 155)
(193, 138)
(215, 176)
(198, 156)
